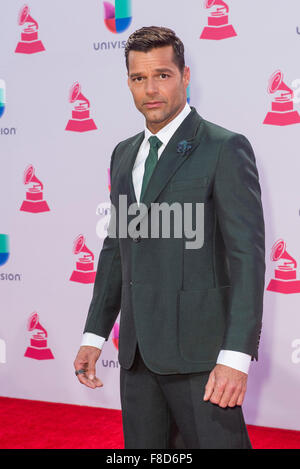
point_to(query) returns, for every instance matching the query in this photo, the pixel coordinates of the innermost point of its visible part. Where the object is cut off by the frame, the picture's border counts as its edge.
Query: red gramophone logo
(84, 272)
(218, 26)
(285, 280)
(283, 112)
(81, 121)
(115, 337)
(29, 44)
(38, 348)
(34, 202)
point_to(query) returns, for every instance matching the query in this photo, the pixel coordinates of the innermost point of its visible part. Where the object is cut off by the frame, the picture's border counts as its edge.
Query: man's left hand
(226, 386)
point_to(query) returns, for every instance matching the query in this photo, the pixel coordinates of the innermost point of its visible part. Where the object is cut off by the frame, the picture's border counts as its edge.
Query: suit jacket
(182, 306)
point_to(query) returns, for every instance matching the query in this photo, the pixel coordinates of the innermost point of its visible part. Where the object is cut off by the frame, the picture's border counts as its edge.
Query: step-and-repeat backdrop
(64, 105)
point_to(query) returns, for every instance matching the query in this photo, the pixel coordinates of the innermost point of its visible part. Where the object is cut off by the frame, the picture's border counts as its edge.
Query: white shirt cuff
(238, 360)
(92, 340)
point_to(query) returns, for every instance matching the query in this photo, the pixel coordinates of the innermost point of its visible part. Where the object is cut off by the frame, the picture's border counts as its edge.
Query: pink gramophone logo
(81, 121)
(285, 280)
(34, 202)
(283, 112)
(218, 26)
(115, 338)
(38, 348)
(84, 272)
(29, 44)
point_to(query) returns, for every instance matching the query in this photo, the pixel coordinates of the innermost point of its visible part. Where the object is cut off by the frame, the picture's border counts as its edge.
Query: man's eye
(139, 79)
(164, 75)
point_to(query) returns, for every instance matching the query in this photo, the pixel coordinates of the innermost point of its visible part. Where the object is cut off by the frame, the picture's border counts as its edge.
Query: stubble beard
(156, 117)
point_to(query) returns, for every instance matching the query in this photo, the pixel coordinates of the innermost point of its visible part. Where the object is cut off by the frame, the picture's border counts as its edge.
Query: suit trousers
(168, 411)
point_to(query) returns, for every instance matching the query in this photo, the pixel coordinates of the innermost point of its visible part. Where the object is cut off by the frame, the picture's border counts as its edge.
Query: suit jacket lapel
(170, 160)
(128, 158)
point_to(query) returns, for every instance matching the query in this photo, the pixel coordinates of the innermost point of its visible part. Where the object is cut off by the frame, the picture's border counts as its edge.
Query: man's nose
(151, 87)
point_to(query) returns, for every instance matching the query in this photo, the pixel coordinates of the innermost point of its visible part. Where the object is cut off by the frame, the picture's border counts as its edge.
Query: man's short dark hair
(150, 37)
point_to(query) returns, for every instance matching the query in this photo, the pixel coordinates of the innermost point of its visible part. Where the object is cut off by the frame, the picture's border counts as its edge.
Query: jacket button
(131, 282)
(136, 240)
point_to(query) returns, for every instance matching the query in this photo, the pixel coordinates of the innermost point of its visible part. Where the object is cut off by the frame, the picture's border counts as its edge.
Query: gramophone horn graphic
(34, 202)
(218, 27)
(84, 272)
(29, 44)
(38, 348)
(81, 121)
(285, 274)
(283, 112)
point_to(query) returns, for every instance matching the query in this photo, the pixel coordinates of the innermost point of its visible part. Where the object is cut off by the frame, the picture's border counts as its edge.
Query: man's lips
(153, 104)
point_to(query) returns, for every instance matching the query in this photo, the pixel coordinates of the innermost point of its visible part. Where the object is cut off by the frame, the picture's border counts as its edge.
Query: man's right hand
(86, 360)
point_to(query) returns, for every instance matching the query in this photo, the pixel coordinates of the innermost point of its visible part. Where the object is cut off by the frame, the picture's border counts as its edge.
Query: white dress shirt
(237, 360)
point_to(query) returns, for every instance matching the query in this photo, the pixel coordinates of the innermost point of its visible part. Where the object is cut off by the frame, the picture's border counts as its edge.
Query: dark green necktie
(150, 162)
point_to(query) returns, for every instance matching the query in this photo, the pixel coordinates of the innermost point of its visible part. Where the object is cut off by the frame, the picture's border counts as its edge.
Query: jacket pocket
(201, 322)
(189, 183)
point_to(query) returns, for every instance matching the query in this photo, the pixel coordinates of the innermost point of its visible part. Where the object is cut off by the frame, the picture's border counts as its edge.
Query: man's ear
(186, 76)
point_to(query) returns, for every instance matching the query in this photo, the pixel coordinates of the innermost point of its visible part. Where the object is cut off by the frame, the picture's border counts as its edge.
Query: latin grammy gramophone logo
(282, 112)
(34, 202)
(218, 26)
(117, 18)
(285, 280)
(81, 121)
(38, 348)
(84, 272)
(29, 43)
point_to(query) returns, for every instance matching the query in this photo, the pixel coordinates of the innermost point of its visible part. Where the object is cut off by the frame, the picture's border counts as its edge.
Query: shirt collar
(168, 130)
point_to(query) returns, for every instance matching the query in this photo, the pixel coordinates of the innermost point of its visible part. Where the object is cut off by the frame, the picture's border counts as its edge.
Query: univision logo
(2, 97)
(117, 18)
(188, 94)
(4, 130)
(4, 248)
(4, 255)
(115, 339)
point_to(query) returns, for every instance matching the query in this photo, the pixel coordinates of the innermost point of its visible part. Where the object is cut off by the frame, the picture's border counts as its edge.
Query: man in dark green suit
(190, 313)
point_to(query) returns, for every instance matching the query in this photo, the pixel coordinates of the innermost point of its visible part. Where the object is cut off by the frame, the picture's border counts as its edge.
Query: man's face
(157, 85)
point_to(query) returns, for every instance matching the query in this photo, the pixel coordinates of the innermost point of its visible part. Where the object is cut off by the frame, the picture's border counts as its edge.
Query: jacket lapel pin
(183, 147)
